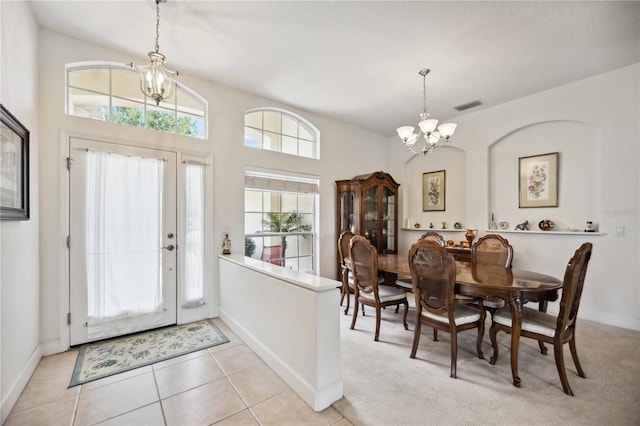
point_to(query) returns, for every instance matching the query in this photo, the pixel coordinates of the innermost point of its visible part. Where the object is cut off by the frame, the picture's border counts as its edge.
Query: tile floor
(224, 385)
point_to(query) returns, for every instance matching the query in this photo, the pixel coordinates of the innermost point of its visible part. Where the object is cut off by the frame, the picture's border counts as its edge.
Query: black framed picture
(14, 168)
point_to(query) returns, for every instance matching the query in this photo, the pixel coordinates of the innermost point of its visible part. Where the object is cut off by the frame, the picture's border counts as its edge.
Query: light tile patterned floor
(224, 385)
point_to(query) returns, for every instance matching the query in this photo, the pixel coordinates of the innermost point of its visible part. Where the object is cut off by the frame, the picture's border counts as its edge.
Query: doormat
(105, 358)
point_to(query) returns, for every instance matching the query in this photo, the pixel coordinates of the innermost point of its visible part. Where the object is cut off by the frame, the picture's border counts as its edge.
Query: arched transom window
(281, 131)
(111, 92)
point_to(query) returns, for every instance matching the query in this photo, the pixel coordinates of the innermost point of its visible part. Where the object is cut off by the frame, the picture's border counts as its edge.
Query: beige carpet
(383, 386)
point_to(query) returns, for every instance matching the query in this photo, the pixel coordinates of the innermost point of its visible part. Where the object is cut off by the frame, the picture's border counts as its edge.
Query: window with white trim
(282, 131)
(111, 92)
(280, 220)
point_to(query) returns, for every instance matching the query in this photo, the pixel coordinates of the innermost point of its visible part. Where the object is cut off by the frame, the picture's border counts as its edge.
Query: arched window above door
(111, 92)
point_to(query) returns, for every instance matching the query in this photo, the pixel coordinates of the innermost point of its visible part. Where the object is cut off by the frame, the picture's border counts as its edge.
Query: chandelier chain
(157, 25)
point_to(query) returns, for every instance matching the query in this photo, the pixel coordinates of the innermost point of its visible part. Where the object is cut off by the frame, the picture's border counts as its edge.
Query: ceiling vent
(468, 105)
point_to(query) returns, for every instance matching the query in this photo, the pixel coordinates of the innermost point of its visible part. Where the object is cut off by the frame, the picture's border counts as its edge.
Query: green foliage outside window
(156, 120)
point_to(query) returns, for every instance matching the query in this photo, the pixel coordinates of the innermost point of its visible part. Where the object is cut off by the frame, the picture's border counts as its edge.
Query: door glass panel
(347, 212)
(389, 218)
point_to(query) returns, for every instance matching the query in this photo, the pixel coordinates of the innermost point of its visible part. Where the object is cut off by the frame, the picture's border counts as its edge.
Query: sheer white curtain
(193, 271)
(123, 229)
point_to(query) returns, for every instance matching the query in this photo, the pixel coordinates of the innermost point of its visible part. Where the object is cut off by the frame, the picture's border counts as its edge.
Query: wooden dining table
(514, 286)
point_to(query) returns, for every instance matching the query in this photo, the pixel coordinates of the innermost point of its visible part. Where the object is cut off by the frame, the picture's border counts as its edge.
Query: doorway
(122, 239)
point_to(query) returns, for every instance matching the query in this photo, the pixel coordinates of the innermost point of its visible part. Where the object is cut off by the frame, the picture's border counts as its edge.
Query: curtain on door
(123, 237)
(193, 271)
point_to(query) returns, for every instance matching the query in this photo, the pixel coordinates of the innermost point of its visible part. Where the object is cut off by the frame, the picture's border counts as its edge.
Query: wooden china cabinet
(368, 205)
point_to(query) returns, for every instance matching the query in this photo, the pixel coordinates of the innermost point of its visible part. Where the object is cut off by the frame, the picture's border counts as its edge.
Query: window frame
(175, 109)
(301, 121)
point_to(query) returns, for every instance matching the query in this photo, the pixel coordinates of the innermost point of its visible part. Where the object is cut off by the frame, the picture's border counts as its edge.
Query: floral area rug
(104, 358)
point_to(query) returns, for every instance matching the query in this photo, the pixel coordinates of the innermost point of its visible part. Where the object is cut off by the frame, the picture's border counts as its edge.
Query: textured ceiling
(358, 61)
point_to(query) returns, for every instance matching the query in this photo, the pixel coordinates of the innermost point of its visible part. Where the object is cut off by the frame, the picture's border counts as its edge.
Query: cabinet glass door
(370, 220)
(347, 210)
(388, 220)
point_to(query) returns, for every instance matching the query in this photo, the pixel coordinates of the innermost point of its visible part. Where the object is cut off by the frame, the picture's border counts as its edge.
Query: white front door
(122, 222)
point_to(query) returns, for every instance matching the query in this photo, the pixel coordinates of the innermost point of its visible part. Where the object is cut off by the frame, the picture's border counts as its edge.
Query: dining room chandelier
(156, 81)
(434, 136)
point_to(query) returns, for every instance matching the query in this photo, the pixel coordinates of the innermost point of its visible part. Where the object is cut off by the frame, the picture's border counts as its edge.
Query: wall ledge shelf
(504, 231)
(434, 229)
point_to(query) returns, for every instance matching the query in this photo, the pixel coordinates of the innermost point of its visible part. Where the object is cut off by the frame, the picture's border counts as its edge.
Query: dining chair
(347, 278)
(405, 283)
(553, 329)
(434, 236)
(368, 291)
(433, 274)
(492, 249)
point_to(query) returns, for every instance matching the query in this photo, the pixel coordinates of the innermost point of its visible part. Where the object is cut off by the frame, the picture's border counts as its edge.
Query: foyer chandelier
(433, 138)
(156, 81)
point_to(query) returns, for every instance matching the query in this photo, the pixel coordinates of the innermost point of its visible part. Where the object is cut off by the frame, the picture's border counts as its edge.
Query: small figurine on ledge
(226, 245)
(524, 226)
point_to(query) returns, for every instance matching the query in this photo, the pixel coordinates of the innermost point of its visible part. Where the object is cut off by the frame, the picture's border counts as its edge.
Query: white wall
(19, 271)
(340, 144)
(595, 125)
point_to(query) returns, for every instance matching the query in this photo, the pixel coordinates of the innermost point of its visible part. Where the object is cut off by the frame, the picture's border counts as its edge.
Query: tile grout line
(155, 381)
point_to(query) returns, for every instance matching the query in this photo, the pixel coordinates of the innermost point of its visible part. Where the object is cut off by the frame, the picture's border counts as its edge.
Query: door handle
(170, 247)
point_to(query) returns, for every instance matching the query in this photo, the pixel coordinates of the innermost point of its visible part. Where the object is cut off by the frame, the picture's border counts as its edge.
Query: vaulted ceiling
(358, 61)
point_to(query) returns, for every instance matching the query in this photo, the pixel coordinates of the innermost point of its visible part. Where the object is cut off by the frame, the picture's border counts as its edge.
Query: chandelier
(156, 81)
(433, 138)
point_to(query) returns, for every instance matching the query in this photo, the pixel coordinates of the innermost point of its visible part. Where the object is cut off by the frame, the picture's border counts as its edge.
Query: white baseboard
(317, 399)
(10, 399)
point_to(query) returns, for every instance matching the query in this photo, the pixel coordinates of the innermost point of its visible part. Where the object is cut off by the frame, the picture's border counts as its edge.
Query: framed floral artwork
(539, 181)
(14, 168)
(433, 191)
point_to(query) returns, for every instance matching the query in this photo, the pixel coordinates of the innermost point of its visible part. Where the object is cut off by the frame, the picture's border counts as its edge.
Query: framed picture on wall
(433, 191)
(538, 181)
(14, 168)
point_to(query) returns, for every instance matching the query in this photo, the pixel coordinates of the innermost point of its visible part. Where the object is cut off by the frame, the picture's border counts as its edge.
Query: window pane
(307, 149)
(161, 119)
(126, 85)
(253, 119)
(306, 246)
(189, 103)
(289, 145)
(190, 125)
(272, 121)
(95, 79)
(307, 219)
(88, 105)
(271, 201)
(127, 112)
(289, 126)
(305, 203)
(305, 264)
(252, 223)
(252, 201)
(289, 202)
(252, 138)
(194, 266)
(272, 141)
(292, 247)
(306, 133)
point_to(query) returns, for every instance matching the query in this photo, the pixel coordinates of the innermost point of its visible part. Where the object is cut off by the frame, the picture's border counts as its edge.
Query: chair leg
(397, 308)
(355, 312)
(348, 297)
(406, 311)
(557, 351)
(378, 315)
(493, 332)
(454, 352)
(479, 341)
(435, 335)
(416, 335)
(543, 348)
(574, 355)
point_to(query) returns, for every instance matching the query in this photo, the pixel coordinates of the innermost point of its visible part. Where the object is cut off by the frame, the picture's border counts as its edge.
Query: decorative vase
(470, 235)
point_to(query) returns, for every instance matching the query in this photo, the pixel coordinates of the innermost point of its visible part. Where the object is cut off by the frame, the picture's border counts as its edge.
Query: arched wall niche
(453, 161)
(577, 145)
